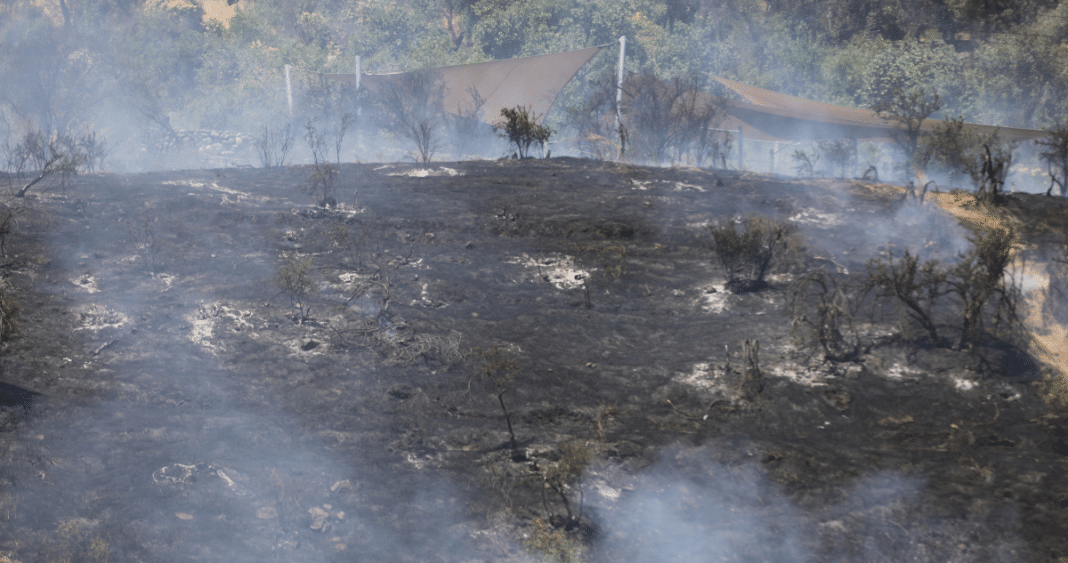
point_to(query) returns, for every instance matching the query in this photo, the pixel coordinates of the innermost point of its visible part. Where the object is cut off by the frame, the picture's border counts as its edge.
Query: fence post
(741, 148)
(289, 92)
(619, 82)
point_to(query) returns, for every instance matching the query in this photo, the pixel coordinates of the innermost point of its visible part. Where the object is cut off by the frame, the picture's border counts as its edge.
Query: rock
(344, 485)
(318, 519)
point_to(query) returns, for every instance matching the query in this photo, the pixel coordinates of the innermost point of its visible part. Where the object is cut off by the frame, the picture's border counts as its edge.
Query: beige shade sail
(531, 82)
(772, 116)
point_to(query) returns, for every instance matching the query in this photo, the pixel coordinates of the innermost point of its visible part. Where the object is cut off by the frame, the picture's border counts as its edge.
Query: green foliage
(522, 130)
(908, 109)
(748, 256)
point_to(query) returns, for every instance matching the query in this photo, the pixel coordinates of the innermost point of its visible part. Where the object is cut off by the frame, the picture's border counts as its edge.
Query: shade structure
(772, 116)
(531, 82)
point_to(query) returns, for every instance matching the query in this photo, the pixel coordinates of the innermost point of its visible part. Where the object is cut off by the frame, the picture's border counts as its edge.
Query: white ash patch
(98, 317)
(713, 298)
(702, 377)
(964, 384)
(639, 185)
(210, 316)
(799, 374)
(557, 269)
(427, 172)
(167, 280)
(683, 187)
(899, 371)
(86, 282)
(810, 216)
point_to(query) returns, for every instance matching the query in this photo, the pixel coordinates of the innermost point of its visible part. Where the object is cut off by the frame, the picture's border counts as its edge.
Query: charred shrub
(916, 286)
(413, 109)
(840, 153)
(671, 120)
(981, 286)
(294, 280)
(974, 289)
(274, 145)
(9, 311)
(522, 130)
(805, 164)
(501, 369)
(320, 180)
(553, 544)
(1053, 150)
(747, 256)
(1055, 304)
(823, 310)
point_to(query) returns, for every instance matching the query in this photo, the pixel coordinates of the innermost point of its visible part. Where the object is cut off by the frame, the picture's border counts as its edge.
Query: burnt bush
(671, 120)
(975, 290)
(823, 310)
(274, 145)
(748, 255)
(413, 109)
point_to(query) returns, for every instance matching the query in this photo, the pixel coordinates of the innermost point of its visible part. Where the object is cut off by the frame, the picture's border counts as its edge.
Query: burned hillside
(513, 361)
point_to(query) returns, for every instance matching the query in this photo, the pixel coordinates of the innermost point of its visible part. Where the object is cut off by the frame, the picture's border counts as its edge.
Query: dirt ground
(165, 400)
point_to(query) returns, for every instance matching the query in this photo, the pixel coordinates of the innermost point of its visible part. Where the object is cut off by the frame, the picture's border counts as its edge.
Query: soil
(164, 399)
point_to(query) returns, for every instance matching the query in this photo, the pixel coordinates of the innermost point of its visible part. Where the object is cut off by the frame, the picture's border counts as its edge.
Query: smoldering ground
(187, 412)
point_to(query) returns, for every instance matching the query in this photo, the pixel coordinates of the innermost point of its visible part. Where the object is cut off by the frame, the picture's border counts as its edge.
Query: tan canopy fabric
(772, 116)
(532, 82)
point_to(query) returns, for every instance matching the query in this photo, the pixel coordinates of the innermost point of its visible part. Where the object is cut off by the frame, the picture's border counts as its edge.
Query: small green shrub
(522, 130)
(749, 255)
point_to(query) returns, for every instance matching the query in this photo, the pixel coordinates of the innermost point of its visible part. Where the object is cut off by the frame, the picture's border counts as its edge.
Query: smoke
(692, 505)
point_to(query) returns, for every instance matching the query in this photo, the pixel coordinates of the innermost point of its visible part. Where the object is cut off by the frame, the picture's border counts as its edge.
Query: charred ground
(164, 401)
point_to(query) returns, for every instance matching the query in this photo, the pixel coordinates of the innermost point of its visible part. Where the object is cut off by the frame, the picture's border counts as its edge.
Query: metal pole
(619, 83)
(359, 76)
(289, 91)
(741, 148)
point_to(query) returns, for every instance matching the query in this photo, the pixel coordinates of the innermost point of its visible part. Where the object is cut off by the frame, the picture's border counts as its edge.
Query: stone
(318, 519)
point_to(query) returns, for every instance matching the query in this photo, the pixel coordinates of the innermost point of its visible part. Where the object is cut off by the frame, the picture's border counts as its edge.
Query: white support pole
(289, 91)
(741, 148)
(359, 76)
(619, 83)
